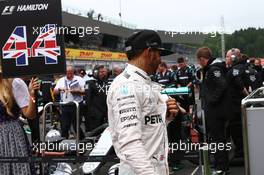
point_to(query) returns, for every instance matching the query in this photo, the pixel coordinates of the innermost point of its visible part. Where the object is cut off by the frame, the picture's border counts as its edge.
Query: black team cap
(145, 39)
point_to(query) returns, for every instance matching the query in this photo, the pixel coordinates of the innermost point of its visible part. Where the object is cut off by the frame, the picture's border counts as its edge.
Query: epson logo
(8, 10)
(131, 117)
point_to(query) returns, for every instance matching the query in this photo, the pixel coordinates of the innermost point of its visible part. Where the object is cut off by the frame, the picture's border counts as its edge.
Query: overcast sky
(179, 15)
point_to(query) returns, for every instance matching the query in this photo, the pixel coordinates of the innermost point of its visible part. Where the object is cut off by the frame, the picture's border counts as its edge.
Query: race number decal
(16, 47)
(44, 46)
(50, 50)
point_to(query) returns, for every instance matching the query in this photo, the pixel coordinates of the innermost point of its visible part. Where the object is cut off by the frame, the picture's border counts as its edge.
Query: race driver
(137, 111)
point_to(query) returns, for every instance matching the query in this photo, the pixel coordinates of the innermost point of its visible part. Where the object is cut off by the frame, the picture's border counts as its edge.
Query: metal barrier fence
(49, 106)
(253, 138)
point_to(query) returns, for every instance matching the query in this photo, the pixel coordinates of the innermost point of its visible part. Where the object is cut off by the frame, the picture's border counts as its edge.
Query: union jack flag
(19, 50)
(50, 50)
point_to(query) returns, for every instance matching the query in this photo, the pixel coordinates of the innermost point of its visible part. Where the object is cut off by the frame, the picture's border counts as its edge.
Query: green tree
(250, 41)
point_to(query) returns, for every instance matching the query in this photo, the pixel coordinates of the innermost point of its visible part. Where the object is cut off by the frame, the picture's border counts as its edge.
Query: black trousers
(34, 127)
(68, 118)
(217, 132)
(174, 137)
(235, 129)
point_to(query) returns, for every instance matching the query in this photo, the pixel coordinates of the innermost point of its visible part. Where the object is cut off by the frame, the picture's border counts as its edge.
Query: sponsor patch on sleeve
(217, 73)
(124, 90)
(130, 125)
(125, 97)
(128, 118)
(235, 72)
(252, 78)
(127, 110)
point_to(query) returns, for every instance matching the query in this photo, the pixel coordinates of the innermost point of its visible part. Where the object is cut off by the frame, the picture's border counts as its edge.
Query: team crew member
(115, 72)
(164, 76)
(95, 97)
(259, 69)
(84, 75)
(228, 60)
(71, 88)
(137, 111)
(237, 77)
(184, 74)
(216, 101)
(252, 81)
(185, 78)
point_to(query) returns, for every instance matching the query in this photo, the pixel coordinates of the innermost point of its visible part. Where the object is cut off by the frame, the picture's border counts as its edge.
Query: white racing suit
(136, 113)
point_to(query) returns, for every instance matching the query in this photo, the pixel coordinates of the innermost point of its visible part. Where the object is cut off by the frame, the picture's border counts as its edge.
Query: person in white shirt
(71, 88)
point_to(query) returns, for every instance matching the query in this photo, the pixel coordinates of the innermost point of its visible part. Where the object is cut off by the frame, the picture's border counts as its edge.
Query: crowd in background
(243, 75)
(93, 86)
